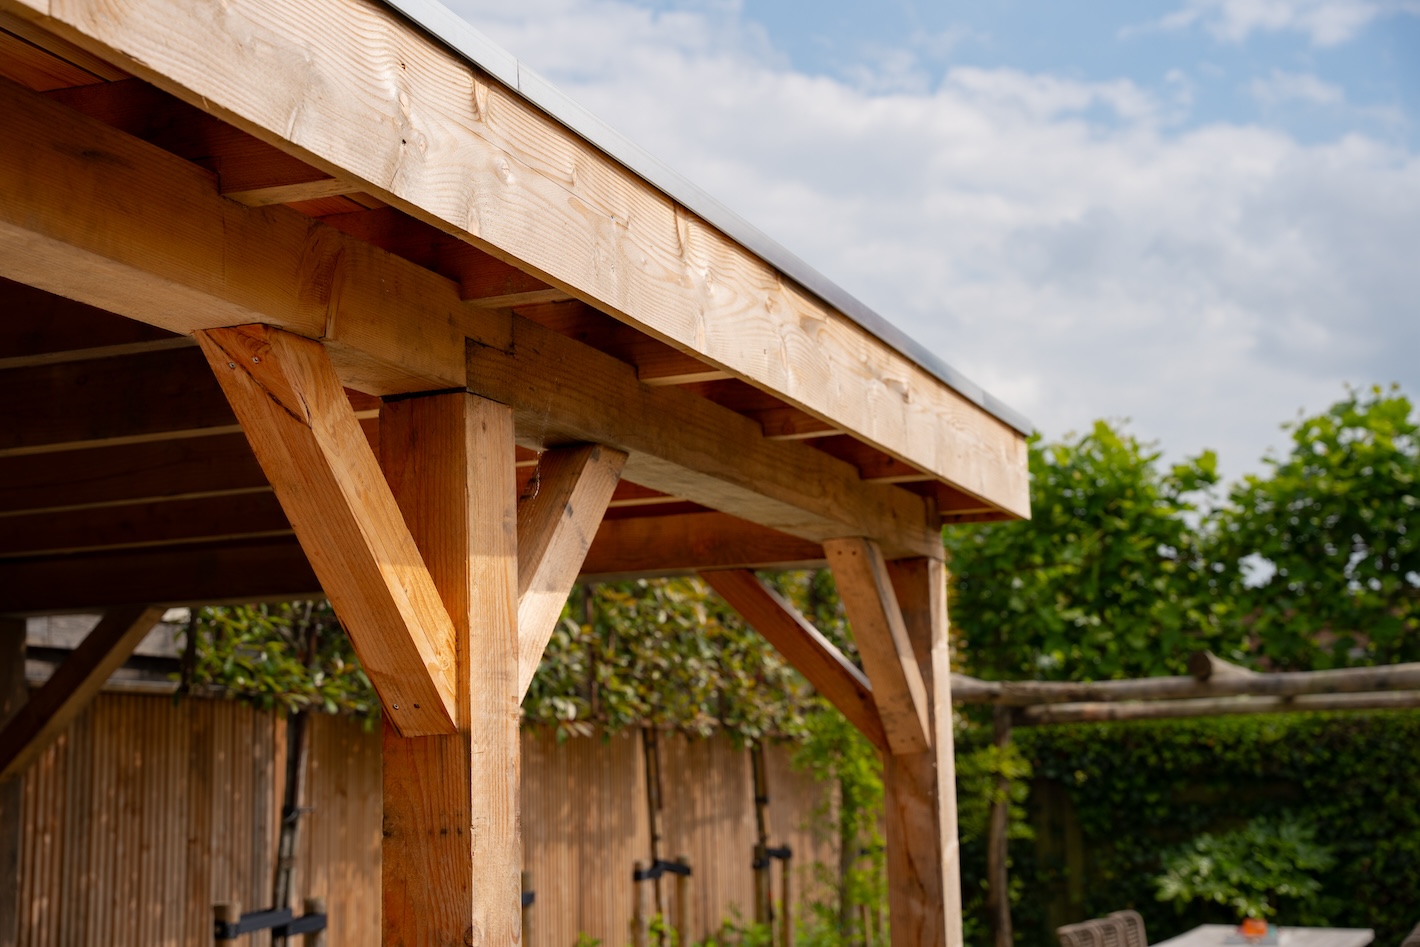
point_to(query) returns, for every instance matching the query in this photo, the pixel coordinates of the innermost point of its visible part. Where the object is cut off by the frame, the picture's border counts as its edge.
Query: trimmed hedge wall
(1108, 799)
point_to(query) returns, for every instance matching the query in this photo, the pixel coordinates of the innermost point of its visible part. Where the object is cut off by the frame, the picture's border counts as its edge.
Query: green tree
(1107, 579)
(1325, 549)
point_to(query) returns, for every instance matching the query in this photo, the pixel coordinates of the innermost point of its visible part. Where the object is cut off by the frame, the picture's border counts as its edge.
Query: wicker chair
(1120, 929)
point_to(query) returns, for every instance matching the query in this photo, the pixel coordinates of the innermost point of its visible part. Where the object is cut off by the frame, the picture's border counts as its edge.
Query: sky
(1199, 217)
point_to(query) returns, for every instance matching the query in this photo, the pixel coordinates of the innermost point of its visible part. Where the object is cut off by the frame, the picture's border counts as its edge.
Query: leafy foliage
(1138, 790)
(1249, 868)
(293, 656)
(666, 654)
(1106, 580)
(1337, 523)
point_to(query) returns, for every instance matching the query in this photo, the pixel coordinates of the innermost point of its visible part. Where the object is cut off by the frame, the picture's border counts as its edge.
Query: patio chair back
(1120, 929)
(1413, 938)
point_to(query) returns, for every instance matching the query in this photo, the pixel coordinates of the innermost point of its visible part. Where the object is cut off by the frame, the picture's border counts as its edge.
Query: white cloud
(1206, 283)
(1284, 87)
(1325, 22)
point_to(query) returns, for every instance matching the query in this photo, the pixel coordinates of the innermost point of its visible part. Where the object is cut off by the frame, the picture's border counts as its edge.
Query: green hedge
(1108, 799)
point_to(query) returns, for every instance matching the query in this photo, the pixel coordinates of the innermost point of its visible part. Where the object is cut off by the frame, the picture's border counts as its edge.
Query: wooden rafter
(881, 635)
(73, 685)
(657, 266)
(303, 431)
(557, 520)
(193, 260)
(803, 646)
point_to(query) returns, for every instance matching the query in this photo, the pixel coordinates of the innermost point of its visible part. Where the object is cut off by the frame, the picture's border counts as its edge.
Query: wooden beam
(1044, 714)
(155, 523)
(248, 170)
(878, 630)
(291, 406)
(557, 520)
(275, 569)
(73, 685)
(684, 445)
(452, 850)
(193, 260)
(803, 646)
(534, 193)
(919, 789)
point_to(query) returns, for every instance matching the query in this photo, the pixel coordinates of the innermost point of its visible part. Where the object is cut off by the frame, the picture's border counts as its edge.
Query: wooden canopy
(299, 300)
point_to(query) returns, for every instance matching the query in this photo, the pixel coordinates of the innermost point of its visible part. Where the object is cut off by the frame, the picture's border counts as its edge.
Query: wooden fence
(147, 812)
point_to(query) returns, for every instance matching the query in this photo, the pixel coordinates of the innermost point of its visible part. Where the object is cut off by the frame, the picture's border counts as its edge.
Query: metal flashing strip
(464, 39)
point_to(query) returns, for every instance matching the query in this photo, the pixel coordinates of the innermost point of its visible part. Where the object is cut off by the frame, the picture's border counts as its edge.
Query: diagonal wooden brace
(880, 633)
(557, 521)
(803, 646)
(301, 427)
(73, 685)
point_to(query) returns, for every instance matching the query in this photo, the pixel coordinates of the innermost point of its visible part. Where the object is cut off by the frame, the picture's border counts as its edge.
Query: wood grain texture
(923, 855)
(875, 618)
(352, 89)
(556, 524)
(687, 446)
(98, 216)
(73, 686)
(803, 646)
(13, 695)
(452, 850)
(302, 429)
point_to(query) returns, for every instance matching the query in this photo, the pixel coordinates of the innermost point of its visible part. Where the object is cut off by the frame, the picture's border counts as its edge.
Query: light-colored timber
(665, 430)
(73, 686)
(452, 850)
(637, 255)
(803, 646)
(302, 429)
(557, 520)
(875, 616)
(919, 789)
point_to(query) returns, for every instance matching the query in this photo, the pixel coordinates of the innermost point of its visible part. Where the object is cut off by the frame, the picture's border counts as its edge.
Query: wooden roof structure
(299, 299)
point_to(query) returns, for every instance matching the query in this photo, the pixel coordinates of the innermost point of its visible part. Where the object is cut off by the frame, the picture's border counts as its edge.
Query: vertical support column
(924, 869)
(13, 694)
(452, 851)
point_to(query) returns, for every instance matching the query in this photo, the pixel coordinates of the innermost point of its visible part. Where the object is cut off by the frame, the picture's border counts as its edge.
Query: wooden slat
(803, 646)
(671, 545)
(532, 192)
(686, 446)
(73, 685)
(556, 524)
(919, 790)
(37, 68)
(452, 849)
(791, 424)
(881, 636)
(303, 431)
(37, 324)
(872, 464)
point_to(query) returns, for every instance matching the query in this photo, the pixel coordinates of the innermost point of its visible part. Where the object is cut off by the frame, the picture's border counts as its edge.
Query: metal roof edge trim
(464, 39)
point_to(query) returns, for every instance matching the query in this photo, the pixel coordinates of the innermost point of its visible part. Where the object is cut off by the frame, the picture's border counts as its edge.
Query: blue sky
(1199, 216)
(1223, 64)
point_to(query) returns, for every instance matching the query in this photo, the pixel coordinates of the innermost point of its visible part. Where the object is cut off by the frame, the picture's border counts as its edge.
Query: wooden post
(998, 890)
(683, 926)
(452, 852)
(641, 908)
(786, 904)
(314, 938)
(763, 896)
(13, 694)
(527, 908)
(924, 873)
